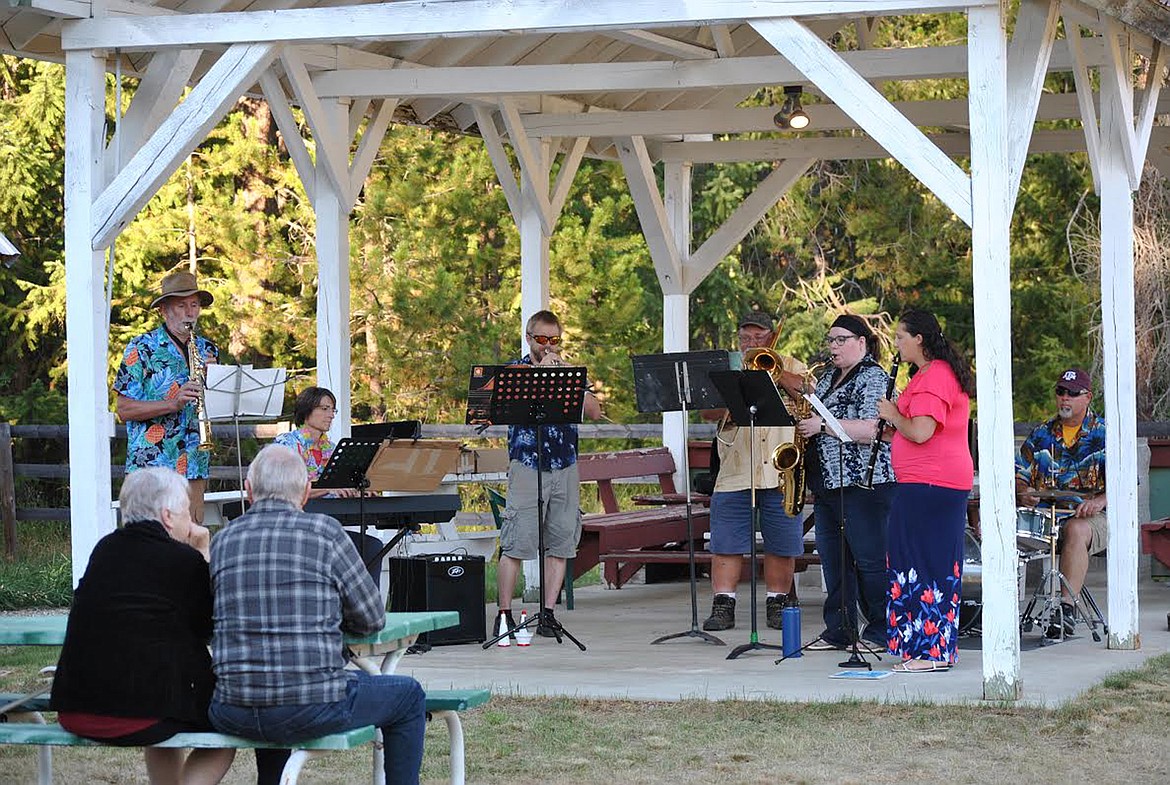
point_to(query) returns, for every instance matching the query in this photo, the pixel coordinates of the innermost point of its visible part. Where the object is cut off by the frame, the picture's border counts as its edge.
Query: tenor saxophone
(788, 458)
(198, 371)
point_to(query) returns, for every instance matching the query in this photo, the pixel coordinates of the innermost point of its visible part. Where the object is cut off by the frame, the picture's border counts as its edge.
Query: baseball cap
(758, 319)
(1076, 379)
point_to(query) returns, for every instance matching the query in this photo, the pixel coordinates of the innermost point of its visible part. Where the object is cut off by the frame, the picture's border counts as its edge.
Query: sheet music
(244, 391)
(831, 423)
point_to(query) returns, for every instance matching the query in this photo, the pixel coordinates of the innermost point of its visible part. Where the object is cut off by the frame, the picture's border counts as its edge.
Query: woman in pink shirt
(933, 467)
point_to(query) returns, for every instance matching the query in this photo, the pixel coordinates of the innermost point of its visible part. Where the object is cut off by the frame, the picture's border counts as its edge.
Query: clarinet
(881, 424)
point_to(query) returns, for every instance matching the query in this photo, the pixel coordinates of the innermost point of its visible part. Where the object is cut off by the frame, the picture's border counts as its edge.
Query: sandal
(926, 666)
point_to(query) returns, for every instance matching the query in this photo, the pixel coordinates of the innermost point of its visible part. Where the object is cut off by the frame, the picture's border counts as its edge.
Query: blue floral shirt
(153, 369)
(559, 443)
(1044, 462)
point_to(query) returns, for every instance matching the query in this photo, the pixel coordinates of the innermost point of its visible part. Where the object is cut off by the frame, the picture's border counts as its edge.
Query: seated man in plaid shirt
(286, 585)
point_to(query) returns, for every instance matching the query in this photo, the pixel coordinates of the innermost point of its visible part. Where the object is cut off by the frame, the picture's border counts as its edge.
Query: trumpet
(197, 369)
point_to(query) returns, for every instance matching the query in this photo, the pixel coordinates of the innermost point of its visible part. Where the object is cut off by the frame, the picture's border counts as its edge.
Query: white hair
(147, 492)
(278, 472)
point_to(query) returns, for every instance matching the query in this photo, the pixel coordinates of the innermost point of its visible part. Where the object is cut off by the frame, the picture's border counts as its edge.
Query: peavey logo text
(455, 571)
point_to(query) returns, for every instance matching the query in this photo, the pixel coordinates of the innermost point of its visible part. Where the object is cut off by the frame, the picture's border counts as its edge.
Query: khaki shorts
(1100, 538)
(562, 513)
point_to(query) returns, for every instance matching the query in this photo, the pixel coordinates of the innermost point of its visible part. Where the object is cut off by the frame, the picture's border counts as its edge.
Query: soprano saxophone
(198, 371)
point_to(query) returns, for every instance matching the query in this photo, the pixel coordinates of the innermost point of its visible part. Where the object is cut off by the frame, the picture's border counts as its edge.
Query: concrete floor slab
(617, 626)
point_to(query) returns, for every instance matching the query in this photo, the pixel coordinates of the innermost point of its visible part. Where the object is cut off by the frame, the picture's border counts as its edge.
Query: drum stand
(1052, 613)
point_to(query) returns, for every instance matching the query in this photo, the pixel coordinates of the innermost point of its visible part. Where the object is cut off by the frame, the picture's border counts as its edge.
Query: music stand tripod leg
(695, 631)
(754, 640)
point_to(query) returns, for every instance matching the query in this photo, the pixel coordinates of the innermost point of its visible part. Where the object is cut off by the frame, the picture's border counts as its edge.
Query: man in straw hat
(156, 394)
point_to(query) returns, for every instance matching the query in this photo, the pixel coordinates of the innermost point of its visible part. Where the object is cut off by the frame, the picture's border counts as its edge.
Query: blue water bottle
(791, 633)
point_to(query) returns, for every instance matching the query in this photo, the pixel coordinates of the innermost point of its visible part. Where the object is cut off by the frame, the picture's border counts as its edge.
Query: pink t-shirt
(944, 459)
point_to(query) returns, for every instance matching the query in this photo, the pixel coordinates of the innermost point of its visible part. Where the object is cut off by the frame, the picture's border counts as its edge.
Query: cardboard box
(489, 461)
(415, 466)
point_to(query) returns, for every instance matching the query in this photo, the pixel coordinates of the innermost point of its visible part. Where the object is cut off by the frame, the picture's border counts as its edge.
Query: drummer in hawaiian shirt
(1067, 453)
(156, 396)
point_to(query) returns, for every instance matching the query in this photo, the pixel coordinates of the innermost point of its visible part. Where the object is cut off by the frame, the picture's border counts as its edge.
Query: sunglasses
(1067, 393)
(545, 340)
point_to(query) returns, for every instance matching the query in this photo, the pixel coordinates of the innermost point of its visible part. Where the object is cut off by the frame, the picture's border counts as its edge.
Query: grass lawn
(1114, 733)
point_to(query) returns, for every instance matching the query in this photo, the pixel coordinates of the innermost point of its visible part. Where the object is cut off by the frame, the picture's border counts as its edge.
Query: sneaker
(722, 614)
(774, 610)
(502, 618)
(873, 647)
(1069, 614)
(825, 645)
(548, 625)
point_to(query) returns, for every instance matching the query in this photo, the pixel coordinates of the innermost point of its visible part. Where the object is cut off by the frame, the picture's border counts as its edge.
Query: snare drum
(1034, 528)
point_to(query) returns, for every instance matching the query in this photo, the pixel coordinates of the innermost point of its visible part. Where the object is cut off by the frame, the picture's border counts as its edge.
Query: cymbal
(1051, 494)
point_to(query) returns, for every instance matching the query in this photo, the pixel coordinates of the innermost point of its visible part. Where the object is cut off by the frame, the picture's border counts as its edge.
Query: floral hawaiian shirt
(559, 443)
(153, 368)
(314, 452)
(1044, 461)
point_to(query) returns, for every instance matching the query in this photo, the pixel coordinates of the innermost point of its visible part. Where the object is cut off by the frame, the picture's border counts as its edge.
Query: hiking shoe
(722, 614)
(548, 626)
(1069, 614)
(502, 618)
(774, 609)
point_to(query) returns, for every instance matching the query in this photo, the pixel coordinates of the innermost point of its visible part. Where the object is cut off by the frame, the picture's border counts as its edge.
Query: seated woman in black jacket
(135, 668)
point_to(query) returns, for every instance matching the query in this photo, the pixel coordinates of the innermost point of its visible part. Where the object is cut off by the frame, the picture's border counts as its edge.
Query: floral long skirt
(925, 572)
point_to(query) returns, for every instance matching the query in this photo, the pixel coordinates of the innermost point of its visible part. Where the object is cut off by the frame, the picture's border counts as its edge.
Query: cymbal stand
(1052, 613)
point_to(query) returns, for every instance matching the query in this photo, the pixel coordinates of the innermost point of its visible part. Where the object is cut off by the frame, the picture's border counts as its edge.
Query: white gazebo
(640, 82)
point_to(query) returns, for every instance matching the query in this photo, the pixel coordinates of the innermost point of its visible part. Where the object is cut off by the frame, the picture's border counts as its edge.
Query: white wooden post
(990, 227)
(87, 342)
(1119, 360)
(676, 317)
(534, 246)
(332, 211)
(534, 294)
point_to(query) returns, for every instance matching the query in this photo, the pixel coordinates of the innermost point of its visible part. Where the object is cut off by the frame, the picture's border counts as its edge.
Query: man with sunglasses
(1067, 453)
(560, 485)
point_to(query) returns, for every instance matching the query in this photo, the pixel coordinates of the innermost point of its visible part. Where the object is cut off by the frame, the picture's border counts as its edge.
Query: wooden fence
(225, 434)
(1157, 432)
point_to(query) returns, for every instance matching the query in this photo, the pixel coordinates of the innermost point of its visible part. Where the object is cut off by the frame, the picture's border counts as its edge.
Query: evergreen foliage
(435, 266)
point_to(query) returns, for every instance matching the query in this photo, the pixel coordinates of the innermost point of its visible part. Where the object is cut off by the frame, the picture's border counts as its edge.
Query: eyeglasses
(544, 340)
(1067, 393)
(838, 340)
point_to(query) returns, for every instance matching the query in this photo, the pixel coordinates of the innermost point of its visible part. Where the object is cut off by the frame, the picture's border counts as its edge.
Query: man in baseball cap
(1067, 453)
(156, 394)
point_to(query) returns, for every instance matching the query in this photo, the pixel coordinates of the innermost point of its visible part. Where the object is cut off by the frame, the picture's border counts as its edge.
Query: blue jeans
(866, 519)
(395, 704)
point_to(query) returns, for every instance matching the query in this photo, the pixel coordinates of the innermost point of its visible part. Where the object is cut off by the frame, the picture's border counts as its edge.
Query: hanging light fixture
(791, 116)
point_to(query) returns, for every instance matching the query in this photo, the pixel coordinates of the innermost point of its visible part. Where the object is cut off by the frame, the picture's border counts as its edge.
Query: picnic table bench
(647, 528)
(391, 642)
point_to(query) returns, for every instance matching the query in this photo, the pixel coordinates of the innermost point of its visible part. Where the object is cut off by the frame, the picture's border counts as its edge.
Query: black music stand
(752, 399)
(681, 381)
(534, 396)
(348, 467)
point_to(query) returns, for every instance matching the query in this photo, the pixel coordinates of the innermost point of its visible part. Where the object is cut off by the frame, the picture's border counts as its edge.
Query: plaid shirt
(287, 584)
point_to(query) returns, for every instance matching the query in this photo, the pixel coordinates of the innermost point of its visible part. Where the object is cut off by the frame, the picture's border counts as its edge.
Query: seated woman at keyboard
(135, 669)
(313, 413)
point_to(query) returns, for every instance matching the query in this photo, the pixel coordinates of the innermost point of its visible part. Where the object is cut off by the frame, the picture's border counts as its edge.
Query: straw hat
(182, 284)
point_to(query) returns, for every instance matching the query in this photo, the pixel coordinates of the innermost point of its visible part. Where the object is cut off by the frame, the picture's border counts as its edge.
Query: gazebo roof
(660, 83)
